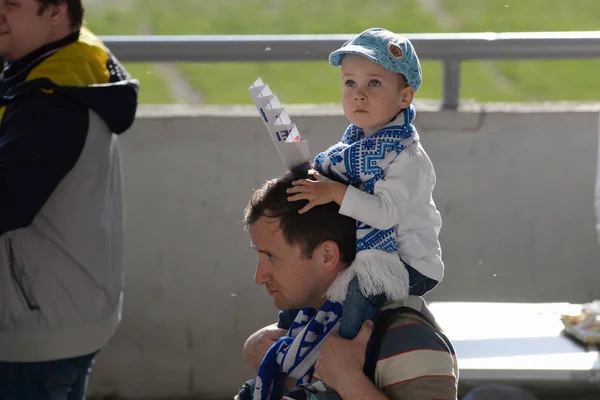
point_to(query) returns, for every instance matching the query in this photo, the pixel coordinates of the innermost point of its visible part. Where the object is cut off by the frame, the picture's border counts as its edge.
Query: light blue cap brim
(335, 58)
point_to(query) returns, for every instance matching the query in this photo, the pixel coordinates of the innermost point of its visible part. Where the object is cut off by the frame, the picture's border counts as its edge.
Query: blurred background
(316, 82)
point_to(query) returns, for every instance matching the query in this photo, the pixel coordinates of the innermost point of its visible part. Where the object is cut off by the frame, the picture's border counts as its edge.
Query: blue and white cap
(393, 52)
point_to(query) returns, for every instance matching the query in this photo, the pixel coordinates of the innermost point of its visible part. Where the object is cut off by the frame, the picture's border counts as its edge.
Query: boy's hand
(317, 192)
(259, 343)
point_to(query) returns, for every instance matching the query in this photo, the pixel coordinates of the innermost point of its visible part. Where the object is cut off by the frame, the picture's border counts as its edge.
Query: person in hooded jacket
(64, 101)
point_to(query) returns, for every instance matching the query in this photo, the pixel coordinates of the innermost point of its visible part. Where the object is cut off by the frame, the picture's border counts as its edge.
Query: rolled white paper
(292, 149)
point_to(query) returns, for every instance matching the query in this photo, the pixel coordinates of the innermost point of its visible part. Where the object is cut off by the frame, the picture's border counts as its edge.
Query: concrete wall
(515, 189)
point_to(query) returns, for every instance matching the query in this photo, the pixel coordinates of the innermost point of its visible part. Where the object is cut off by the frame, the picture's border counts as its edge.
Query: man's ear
(407, 95)
(57, 12)
(329, 253)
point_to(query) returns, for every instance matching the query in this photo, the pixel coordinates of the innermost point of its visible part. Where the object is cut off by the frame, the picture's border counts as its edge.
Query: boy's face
(372, 95)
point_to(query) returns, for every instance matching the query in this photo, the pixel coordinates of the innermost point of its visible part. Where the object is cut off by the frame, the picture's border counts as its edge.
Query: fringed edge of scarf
(378, 272)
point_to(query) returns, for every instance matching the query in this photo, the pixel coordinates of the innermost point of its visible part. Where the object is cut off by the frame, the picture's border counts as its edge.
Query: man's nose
(261, 275)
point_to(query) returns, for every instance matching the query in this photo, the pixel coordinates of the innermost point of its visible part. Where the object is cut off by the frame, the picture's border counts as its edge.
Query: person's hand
(259, 342)
(317, 191)
(341, 361)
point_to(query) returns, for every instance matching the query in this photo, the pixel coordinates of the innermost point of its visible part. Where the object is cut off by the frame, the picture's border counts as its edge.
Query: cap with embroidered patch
(392, 51)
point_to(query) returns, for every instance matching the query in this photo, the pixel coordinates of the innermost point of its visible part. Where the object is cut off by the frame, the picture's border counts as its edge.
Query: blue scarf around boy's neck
(360, 161)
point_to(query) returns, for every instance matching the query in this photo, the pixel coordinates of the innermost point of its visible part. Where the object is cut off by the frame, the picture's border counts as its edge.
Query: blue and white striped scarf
(295, 355)
(360, 161)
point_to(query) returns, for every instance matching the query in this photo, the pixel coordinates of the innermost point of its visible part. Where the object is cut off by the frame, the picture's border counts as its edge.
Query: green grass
(524, 15)
(227, 83)
(118, 21)
(317, 82)
(529, 80)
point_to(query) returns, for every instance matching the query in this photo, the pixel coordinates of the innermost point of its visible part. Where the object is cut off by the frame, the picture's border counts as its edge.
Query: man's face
(293, 280)
(23, 29)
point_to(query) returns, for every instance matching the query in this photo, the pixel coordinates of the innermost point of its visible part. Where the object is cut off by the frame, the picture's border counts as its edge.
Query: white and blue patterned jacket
(403, 198)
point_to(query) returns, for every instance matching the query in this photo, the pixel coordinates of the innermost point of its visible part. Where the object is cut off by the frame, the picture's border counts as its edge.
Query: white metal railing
(449, 48)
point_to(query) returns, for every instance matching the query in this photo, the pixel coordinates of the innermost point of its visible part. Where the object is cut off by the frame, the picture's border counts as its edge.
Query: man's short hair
(308, 230)
(76, 10)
